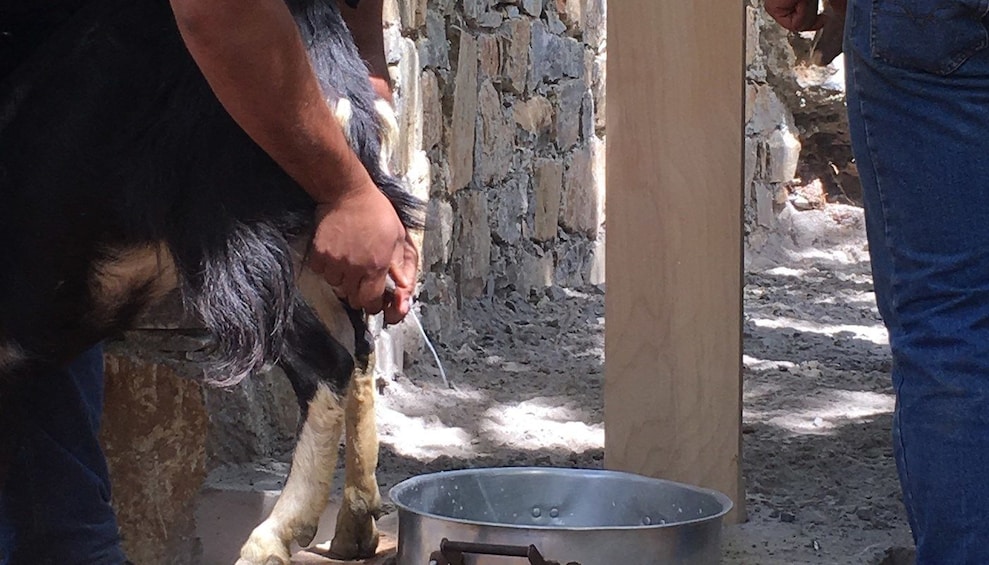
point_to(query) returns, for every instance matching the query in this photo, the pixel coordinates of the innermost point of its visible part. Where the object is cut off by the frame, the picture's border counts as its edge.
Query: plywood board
(674, 204)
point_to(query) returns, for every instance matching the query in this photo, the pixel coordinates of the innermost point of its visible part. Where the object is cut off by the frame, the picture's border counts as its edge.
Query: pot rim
(396, 491)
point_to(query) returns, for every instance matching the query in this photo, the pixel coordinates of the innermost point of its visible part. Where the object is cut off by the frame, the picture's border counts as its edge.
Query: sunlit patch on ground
(873, 333)
(826, 412)
(542, 423)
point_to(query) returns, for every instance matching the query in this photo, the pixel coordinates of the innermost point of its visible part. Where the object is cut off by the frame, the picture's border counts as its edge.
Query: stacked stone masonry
(797, 148)
(502, 115)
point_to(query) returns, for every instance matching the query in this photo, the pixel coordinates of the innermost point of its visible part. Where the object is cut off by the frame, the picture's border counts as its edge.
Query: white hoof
(264, 548)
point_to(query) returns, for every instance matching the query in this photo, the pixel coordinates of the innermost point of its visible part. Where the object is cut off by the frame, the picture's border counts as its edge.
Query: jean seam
(887, 235)
(892, 275)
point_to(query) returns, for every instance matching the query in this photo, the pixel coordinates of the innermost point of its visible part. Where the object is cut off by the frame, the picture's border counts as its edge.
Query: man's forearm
(365, 23)
(252, 56)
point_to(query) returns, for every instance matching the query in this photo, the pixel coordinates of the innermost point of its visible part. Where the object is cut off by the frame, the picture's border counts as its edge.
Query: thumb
(403, 268)
(398, 272)
(402, 274)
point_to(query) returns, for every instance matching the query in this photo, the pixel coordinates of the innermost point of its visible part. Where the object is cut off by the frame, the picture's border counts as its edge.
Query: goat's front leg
(356, 535)
(296, 514)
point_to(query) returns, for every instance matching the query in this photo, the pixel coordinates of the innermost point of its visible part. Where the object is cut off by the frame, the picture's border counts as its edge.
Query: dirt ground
(821, 482)
(820, 476)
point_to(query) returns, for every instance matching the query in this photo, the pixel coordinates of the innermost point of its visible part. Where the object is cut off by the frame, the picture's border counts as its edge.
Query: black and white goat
(122, 179)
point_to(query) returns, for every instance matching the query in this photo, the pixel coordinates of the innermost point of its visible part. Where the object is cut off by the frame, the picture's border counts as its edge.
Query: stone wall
(797, 149)
(502, 113)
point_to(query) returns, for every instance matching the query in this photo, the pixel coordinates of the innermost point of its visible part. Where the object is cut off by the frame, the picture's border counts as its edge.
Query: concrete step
(227, 510)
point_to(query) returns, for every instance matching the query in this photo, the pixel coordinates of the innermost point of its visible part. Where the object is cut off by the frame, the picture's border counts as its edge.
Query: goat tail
(383, 138)
(242, 290)
(390, 132)
(410, 209)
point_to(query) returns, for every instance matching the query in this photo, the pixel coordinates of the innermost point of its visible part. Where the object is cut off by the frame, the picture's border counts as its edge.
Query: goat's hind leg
(356, 535)
(307, 490)
(318, 367)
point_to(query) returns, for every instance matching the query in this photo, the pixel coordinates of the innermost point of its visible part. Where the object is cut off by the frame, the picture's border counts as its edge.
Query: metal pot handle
(452, 553)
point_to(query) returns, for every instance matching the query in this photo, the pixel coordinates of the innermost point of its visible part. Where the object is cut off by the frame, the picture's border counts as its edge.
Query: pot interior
(558, 499)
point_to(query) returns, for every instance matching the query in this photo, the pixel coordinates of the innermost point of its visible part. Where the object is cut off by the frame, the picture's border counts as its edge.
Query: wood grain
(674, 204)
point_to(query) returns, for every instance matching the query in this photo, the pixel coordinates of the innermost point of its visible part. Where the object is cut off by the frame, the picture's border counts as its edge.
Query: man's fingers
(399, 302)
(819, 22)
(330, 274)
(399, 269)
(349, 290)
(398, 306)
(333, 277)
(404, 265)
(329, 270)
(316, 264)
(403, 271)
(370, 294)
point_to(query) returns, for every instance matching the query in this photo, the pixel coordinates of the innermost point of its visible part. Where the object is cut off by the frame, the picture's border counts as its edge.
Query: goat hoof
(356, 535)
(264, 548)
(354, 550)
(271, 560)
(351, 544)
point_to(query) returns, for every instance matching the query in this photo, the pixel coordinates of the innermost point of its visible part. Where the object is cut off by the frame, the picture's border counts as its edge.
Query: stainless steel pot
(586, 517)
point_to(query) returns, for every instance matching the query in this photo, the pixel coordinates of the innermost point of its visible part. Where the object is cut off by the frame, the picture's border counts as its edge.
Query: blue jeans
(918, 103)
(55, 506)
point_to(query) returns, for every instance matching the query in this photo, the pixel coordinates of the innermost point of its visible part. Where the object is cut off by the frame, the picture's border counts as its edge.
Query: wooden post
(674, 243)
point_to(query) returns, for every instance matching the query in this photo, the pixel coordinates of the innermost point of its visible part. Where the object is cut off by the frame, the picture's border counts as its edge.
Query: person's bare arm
(365, 23)
(366, 26)
(252, 56)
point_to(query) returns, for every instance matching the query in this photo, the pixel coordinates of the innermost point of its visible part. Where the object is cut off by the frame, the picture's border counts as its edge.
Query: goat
(122, 179)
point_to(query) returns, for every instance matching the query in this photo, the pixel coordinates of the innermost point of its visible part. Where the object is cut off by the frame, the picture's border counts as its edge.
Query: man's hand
(795, 15)
(404, 276)
(358, 241)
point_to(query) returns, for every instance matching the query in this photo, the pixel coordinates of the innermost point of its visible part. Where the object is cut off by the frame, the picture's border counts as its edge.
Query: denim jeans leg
(917, 74)
(55, 506)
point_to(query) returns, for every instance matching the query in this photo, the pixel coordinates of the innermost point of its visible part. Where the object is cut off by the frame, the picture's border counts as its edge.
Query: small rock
(534, 115)
(801, 202)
